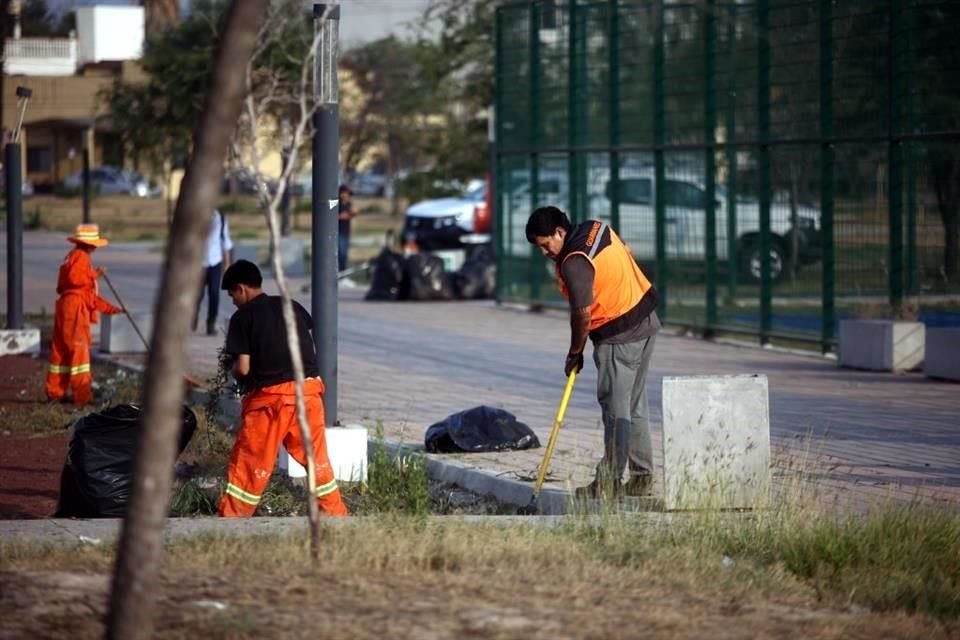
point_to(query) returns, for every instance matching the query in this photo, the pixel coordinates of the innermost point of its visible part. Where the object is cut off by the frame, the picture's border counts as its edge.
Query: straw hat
(88, 234)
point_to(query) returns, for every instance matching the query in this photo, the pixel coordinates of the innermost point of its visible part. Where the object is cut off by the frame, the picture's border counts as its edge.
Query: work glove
(574, 363)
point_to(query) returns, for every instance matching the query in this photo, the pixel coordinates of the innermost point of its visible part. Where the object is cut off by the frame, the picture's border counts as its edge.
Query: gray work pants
(622, 393)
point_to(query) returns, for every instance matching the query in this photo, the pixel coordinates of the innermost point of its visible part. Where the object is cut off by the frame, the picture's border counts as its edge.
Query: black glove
(574, 363)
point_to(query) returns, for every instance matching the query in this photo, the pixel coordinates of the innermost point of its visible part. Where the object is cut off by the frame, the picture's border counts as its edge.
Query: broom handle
(555, 432)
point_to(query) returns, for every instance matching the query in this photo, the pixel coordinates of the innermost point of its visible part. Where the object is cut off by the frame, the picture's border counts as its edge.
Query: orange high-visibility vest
(622, 294)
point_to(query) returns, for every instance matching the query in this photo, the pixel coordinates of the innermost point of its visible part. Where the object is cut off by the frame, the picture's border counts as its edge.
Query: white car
(685, 216)
(448, 223)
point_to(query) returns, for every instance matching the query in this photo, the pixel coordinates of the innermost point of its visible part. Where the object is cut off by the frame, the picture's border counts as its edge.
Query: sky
(360, 20)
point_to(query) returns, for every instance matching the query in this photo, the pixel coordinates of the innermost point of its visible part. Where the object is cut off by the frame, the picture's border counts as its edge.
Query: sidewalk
(404, 366)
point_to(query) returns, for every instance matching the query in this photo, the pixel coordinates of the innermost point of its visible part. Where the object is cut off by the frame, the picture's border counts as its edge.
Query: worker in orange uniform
(78, 307)
(257, 342)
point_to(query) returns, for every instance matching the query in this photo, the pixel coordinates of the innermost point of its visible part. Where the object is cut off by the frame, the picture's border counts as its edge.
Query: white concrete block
(716, 441)
(881, 345)
(292, 257)
(117, 334)
(17, 341)
(942, 353)
(347, 449)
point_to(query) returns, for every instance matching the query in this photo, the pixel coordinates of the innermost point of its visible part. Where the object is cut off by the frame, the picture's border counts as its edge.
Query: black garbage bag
(389, 279)
(476, 279)
(98, 474)
(428, 280)
(479, 429)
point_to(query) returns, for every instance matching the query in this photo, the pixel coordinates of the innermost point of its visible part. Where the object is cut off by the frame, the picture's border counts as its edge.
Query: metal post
(909, 68)
(14, 201)
(710, 162)
(895, 157)
(659, 136)
(14, 236)
(499, 184)
(733, 262)
(85, 153)
(323, 260)
(763, 164)
(613, 68)
(535, 272)
(826, 172)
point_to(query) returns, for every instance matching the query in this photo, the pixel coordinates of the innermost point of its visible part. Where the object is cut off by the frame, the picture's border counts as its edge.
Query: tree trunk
(132, 598)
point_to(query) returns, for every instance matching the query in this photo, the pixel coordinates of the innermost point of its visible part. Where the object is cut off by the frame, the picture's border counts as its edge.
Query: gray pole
(86, 184)
(14, 237)
(323, 256)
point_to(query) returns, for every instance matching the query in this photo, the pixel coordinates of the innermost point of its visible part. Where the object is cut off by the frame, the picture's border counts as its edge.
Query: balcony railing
(41, 56)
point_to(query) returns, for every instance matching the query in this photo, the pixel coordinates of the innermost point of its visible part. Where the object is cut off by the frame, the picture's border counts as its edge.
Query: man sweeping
(614, 304)
(78, 307)
(257, 342)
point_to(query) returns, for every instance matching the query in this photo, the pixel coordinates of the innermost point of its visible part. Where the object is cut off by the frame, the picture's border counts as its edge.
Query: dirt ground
(30, 464)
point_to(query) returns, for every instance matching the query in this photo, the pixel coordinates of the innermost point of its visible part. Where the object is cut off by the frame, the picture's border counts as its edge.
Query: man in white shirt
(216, 258)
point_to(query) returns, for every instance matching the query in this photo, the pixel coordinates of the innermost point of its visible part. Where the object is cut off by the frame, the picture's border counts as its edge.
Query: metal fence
(775, 165)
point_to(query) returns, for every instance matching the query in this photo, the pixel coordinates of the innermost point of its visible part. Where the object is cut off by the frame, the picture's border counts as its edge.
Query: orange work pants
(69, 365)
(269, 418)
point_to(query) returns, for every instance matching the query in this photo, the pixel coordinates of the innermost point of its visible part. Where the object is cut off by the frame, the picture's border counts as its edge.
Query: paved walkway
(404, 366)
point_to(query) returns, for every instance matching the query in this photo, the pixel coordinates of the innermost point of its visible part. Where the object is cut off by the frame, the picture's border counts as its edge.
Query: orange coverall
(76, 310)
(269, 417)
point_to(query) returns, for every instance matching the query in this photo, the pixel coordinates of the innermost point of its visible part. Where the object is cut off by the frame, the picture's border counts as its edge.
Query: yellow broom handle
(555, 432)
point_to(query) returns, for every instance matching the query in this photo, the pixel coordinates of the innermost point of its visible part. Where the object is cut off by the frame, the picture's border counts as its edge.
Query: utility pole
(14, 182)
(323, 254)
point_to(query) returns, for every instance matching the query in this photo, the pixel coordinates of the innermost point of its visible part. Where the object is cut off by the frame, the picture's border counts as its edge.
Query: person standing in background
(216, 259)
(348, 211)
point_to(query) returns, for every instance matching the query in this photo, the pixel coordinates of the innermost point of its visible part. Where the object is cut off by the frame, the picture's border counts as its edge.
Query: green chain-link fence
(774, 165)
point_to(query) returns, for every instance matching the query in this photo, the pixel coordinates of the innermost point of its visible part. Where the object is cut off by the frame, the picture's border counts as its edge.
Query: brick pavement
(407, 365)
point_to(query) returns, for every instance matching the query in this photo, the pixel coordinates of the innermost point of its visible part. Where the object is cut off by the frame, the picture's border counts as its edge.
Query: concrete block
(17, 341)
(292, 257)
(246, 251)
(942, 353)
(117, 334)
(716, 441)
(347, 449)
(881, 345)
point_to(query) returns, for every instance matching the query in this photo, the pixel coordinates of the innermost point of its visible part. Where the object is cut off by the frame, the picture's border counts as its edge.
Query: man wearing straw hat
(77, 308)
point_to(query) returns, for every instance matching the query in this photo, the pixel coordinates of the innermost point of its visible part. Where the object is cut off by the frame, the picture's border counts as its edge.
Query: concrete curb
(483, 481)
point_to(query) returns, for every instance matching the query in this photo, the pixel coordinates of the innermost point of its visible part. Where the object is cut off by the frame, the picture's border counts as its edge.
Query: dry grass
(396, 577)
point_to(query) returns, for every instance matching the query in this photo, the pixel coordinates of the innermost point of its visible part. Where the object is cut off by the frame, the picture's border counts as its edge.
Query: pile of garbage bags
(421, 276)
(97, 476)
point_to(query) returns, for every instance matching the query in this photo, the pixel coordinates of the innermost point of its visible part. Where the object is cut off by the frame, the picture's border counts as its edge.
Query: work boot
(598, 490)
(639, 485)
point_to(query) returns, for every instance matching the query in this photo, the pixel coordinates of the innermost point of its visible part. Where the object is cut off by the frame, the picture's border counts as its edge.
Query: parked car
(685, 217)
(448, 223)
(108, 180)
(371, 184)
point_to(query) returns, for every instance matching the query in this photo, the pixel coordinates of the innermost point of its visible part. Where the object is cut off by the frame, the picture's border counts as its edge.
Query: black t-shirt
(343, 226)
(257, 329)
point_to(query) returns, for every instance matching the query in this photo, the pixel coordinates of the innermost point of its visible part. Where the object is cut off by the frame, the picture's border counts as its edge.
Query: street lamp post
(323, 261)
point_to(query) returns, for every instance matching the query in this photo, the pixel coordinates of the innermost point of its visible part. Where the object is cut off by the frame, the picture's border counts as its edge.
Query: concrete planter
(881, 345)
(17, 341)
(347, 450)
(117, 335)
(942, 353)
(716, 442)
